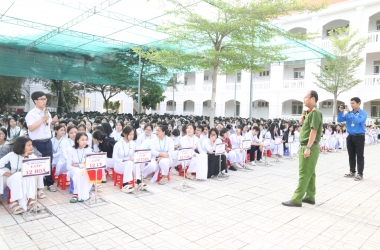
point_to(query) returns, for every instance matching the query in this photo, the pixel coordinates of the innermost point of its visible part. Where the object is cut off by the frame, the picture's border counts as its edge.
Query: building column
(277, 74)
(199, 79)
(311, 68)
(198, 108)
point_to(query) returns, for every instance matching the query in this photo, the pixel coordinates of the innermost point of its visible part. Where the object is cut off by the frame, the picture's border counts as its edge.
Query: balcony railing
(372, 80)
(326, 44)
(188, 88)
(207, 88)
(374, 37)
(293, 84)
(261, 85)
(231, 87)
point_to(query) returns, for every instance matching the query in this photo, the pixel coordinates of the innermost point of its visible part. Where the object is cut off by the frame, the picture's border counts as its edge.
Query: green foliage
(11, 91)
(233, 36)
(338, 75)
(377, 121)
(114, 106)
(66, 92)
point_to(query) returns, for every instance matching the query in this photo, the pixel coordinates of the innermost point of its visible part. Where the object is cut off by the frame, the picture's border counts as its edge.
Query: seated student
(118, 131)
(13, 131)
(66, 146)
(57, 145)
(162, 151)
(236, 142)
(140, 129)
(274, 132)
(331, 142)
(104, 144)
(76, 168)
(147, 135)
(123, 160)
(230, 154)
(209, 146)
(256, 145)
(23, 190)
(175, 135)
(295, 146)
(198, 164)
(82, 129)
(5, 148)
(288, 133)
(339, 137)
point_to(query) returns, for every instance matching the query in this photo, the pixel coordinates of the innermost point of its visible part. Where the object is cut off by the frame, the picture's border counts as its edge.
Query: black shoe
(104, 181)
(304, 200)
(232, 168)
(291, 204)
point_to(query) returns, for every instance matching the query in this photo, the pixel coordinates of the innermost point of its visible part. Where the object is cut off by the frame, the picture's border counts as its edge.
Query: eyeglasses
(42, 99)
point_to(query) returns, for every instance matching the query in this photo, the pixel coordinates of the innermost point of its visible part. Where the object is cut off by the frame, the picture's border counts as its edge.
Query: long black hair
(77, 137)
(19, 145)
(9, 126)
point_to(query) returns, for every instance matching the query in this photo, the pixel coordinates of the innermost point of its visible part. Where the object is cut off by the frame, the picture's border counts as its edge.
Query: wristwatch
(308, 147)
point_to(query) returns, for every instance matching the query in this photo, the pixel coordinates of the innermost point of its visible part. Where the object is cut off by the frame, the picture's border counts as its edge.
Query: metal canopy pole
(235, 96)
(173, 100)
(84, 86)
(138, 91)
(250, 98)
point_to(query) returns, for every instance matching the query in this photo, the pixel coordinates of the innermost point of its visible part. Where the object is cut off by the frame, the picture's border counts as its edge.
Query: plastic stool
(118, 179)
(159, 177)
(9, 196)
(53, 174)
(269, 153)
(62, 180)
(108, 175)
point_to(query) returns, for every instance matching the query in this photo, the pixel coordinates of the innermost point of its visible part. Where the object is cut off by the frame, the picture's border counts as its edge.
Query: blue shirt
(355, 121)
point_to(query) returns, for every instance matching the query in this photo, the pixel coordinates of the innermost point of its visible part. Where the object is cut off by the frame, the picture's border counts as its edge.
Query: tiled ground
(243, 212)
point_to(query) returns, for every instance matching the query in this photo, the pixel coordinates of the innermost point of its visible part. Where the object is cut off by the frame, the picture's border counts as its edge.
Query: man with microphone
(355, 123)
(39, 123)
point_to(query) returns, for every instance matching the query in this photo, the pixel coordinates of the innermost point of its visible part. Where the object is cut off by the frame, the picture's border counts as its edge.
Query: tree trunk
(213, 94)
(335, 108)
(58, 86)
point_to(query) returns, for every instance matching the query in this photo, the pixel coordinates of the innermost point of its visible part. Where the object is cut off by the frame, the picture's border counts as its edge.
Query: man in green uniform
(310, 136)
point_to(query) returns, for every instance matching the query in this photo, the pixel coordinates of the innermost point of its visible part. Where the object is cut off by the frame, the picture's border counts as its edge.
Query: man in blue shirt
(355, 123)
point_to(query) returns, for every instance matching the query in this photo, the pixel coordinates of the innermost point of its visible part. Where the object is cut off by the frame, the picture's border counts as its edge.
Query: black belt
(305, 144)
(43, 140)
(357, 134)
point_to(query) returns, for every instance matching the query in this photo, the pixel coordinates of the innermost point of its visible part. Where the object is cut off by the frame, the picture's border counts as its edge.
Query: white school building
(279, 89)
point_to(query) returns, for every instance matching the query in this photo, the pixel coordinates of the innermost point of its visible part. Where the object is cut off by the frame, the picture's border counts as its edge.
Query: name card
(35, 167)
(290, 139)
(266, 142)
(185, 154)
(246, 144)
(96, 161)
(142, 156)
(220, 148)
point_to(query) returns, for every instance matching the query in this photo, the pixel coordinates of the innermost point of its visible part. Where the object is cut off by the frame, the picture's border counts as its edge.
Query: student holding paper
(23, 190)
(77, 170)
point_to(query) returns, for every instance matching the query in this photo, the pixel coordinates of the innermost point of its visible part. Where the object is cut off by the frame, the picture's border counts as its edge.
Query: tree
(67, 93)
(233, 36)
(114, 106)
(107, 91)
(339, 73)
(124, 68)
(11, 91)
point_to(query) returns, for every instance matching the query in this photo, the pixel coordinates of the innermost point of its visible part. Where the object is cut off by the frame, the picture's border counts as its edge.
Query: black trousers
(252, 153)
(46, 149)
(355, 149)
(213, 164)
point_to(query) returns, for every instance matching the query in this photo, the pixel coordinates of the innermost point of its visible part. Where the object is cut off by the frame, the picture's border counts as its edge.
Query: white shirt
(191, 142)
(141, 138)
(166, 146)
(14, 132)
(77, 156)
(43, 131)
(236, 141)
(116, 135)
(207, 145)
(57, 146)
(123, 150)
(66, 146)
(251, 137)
(15, 161)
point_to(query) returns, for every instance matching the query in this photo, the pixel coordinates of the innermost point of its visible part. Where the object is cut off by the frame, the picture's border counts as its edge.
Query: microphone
(46, 112)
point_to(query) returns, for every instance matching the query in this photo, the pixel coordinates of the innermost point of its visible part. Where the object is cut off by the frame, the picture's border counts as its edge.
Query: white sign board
(142, 156)
(290, 139)
(220, 149)
(246, 144)
(96, 160)
(35, 167)
(185, 154)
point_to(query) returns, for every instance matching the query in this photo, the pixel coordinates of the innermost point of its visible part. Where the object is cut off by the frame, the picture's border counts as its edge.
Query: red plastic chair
(62, 181)
(118, 179)
(159, 177)
(53, 175)
(9, 196)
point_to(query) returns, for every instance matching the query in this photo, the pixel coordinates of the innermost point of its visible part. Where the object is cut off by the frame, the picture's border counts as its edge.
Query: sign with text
(266, 142)
(142, 156)
(246, 144)
(96, 160)
(185, 154)
(290, 139)
(35, 167)
(220, 148)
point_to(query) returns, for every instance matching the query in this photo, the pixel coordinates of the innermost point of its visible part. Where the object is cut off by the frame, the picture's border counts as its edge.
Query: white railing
(374, 37)
(188, 113)
(372, 80)
(261, 85)
(231, 87)
(188, 88)
(293, 84)
(326, 44)
(207, 88)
